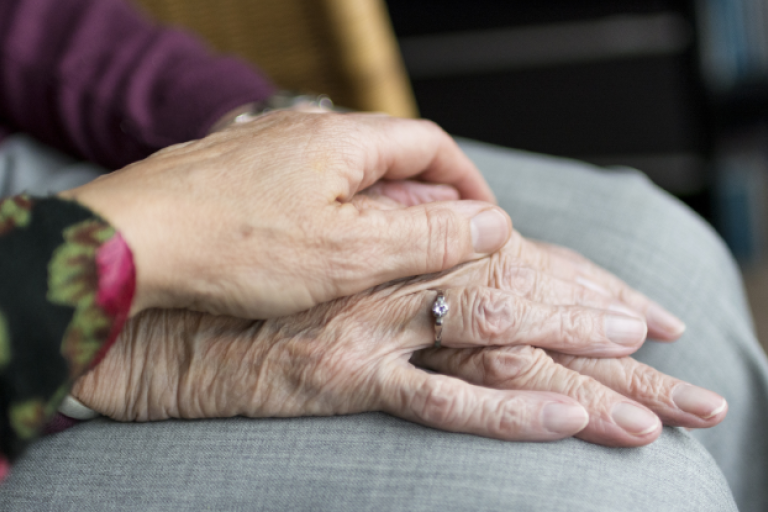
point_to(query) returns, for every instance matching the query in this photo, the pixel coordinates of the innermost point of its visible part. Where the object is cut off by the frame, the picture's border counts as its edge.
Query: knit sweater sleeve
(96, 79)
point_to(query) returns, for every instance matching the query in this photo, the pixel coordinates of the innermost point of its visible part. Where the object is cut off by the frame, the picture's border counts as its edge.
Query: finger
(538, 286)
(480, 316)
(676, 402)
(614, 420)
(408, 148)
(569, 265)
(373, 201)
(412, 193)
(456, 406)
(384, 245)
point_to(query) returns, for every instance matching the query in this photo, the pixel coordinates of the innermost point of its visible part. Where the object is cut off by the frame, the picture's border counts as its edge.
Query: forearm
(94, 78)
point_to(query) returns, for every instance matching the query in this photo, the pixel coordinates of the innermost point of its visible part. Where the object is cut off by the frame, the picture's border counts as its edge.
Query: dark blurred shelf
(416, 17)
(620, 107)
(743, 105)
(615, 82)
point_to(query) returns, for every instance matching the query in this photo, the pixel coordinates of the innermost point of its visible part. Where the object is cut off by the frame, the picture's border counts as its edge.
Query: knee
(626, 202)
(667, 238)
(675, 473)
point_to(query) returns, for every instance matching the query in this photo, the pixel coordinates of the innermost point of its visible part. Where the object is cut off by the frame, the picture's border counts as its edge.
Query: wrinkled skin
(524, 334)
(255, 221)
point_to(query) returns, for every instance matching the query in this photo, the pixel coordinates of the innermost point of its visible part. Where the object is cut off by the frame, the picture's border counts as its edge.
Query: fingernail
(698, 401)
(634, 420)
(659, 319)
(490, 230)
(564, 418)
(625, 330)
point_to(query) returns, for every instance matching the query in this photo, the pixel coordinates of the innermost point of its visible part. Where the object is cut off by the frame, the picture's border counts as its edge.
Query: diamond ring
(439, 310)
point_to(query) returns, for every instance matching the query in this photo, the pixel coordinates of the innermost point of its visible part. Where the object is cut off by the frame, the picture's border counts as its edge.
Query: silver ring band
(439, 311)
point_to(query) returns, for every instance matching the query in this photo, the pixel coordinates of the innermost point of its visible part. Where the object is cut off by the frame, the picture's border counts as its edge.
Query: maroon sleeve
(98, 80)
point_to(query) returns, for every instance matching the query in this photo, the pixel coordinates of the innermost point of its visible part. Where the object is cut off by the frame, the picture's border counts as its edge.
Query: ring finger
(482, 316)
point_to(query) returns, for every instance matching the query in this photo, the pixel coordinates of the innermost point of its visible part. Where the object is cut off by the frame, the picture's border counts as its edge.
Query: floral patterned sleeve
(66, 284)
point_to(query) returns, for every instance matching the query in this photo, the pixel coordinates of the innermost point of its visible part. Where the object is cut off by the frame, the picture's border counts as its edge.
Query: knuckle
(575, 363)
(535, 370)
(513, 417)
(443, 239)
(646, 385)
(575, 327)
(502, 367)
(547, 373)
(344, 138)
(441, 403)
(581, 387)
(523, 281)
(491, 315)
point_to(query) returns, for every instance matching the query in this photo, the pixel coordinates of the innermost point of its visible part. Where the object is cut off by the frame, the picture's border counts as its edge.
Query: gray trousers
(377, 462)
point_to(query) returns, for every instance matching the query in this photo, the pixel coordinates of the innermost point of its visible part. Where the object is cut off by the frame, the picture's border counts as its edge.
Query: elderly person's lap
(362, 462)
(376, 462)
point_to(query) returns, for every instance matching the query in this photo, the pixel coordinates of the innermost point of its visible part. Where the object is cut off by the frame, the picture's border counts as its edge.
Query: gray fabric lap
(29, 166)
(362, 462)
(376, 462)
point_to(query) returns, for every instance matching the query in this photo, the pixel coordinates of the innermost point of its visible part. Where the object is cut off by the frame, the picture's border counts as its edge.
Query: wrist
(123, 259)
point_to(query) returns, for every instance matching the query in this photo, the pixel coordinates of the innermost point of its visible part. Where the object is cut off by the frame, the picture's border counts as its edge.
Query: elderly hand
(355, 355)
(256, 221)
(535, 270)
(558, 276)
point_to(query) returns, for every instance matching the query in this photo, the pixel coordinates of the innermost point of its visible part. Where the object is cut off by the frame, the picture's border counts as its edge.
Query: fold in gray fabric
(29, 166)
(374, 462)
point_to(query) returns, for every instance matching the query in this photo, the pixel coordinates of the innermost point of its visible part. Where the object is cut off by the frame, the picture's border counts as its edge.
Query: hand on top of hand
(256, 221)
(525, 357)
(537, 271)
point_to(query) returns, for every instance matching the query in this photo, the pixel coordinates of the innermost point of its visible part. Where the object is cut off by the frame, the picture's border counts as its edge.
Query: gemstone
(440, 307)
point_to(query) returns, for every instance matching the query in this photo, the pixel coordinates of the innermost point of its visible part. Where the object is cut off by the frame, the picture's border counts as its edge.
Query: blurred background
(675, 88)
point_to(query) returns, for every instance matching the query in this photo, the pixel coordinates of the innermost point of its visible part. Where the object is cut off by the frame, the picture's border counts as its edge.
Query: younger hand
(256, 221)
